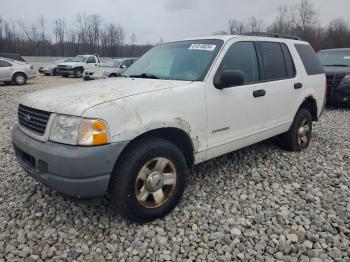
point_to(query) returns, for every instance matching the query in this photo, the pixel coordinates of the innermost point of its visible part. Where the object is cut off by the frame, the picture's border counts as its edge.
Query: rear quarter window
(310, 60)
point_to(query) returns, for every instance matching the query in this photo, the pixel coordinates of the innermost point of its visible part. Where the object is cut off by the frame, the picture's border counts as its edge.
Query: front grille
(333, 81)
(32, 119)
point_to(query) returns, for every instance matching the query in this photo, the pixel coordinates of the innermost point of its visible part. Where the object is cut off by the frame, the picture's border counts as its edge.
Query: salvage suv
(78, 65)
(135, 138)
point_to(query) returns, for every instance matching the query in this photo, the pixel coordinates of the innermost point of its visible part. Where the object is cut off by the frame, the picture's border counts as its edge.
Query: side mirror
(229, 78)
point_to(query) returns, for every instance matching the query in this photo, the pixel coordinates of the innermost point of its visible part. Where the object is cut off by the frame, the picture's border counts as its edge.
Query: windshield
(111, 63)
(79, 58)
(187, 60)
(335, 58)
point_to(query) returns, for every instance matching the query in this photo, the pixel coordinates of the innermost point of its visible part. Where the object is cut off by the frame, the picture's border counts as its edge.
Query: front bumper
(340, 95)
(64, 71)
(80, 172)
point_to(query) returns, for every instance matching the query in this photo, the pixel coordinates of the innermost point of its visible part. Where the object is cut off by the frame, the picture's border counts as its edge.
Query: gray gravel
(259, 203)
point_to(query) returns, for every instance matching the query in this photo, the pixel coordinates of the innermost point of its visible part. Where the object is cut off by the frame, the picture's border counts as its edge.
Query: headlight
(346, 80)
(65, 129)
(74, 130)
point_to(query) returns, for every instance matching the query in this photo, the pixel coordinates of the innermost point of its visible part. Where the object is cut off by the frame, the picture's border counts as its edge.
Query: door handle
(298, 85)
(258, 93)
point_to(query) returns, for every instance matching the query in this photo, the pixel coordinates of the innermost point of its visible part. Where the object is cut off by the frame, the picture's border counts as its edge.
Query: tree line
(88, 34)
(302, 20)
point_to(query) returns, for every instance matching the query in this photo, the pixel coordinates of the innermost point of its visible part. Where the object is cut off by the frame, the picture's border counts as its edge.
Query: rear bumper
(80, 172)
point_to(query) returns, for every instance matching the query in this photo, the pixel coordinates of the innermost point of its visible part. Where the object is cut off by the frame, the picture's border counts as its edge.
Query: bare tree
(304, 18)
(254, 25)
(282, 23)
(236, 27)
(59, 32)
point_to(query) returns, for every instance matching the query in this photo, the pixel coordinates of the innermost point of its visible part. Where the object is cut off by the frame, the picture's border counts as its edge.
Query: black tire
(123, 183)
(54, 72)
(47, 74)
(78, 73)
(292, 140)
(65, 75)
(19, 79)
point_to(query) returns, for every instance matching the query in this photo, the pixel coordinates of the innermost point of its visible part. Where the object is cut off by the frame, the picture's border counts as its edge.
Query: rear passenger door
(284, 90)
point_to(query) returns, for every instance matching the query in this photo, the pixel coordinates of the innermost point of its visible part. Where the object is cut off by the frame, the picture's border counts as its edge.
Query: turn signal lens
(93, 132)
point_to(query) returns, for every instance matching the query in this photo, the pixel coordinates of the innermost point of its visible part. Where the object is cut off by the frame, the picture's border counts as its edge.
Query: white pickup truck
(78, 65)
(136, 137)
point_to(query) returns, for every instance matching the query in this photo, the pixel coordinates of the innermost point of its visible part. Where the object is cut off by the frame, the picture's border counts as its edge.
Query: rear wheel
(149, 180)
(19, 79)
(299, 135)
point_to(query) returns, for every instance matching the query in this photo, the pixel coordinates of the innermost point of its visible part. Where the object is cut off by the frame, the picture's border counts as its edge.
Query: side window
(291, 72)
(242, 56)
(311, 62)
(4, 64)
(91, 60)
(273, 61)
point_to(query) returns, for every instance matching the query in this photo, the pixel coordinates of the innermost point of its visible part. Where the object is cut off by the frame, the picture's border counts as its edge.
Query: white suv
(135, 138)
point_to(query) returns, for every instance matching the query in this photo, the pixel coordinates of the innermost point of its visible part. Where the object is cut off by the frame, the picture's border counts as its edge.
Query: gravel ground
(259, 203)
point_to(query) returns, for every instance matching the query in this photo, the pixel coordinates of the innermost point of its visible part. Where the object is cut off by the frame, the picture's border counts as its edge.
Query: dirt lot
(259, 203)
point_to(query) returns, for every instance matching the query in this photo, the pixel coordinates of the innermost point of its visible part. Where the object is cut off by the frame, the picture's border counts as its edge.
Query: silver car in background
(109, 68)
(16, 72)
(51, 69)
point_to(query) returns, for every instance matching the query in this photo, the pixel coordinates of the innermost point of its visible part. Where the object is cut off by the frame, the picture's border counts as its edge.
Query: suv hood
(336, 69)
(75, 99)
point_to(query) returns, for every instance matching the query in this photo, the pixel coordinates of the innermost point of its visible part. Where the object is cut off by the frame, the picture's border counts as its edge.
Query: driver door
(236, 115)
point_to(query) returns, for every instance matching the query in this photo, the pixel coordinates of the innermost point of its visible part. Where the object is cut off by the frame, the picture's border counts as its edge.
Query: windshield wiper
(338, 65)
(144, 75)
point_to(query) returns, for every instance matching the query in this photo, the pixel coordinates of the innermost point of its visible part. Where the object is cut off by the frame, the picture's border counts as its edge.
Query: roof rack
(275, 35)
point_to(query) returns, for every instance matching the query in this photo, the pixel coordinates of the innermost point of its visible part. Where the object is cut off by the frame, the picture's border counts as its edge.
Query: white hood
(75, 99)
(71, 63)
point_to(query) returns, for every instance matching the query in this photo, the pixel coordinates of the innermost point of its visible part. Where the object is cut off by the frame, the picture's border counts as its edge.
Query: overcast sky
(170, 19)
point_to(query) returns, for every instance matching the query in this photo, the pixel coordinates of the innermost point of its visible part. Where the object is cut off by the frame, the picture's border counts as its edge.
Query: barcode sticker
(203, 47)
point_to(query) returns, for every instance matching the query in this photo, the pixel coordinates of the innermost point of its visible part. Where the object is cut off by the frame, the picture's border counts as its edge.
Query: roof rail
(275, 35)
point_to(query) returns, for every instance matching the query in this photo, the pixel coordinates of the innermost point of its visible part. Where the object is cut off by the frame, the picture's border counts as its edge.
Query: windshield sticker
(203, 47)
(346, 57)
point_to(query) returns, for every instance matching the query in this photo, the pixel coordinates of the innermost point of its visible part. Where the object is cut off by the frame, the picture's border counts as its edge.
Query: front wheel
(78, 73)
(149, 180)
(299, 135)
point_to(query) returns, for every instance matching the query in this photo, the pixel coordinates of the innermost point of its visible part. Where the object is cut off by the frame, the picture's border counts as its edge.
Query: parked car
(136, 137)
(51, 69)
(336, 63)
(109, 68)
(16, 72)
(77, 65)
(17, 57)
